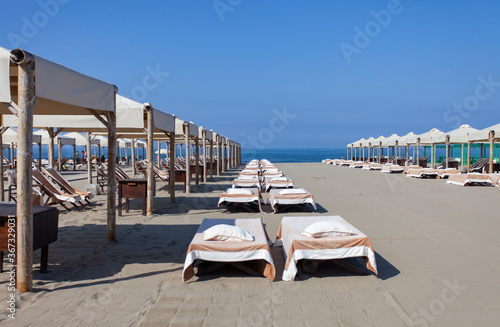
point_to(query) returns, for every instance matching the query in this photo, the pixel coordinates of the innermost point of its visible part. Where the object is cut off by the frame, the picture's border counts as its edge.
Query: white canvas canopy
(427, 138)
(81, 139)
(406, 139)
(47, 89)
(457, 136)
(484, 134)
(390, 141)
(59, 139)
(59, 90)
(10, 136)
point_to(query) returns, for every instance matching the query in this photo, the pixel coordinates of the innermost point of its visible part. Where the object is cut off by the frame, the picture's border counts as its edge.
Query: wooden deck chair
(122, 174)
(102, 177)
(140, 169)
(12, 189)
(64, 184)
(160, 173)
(53, 194)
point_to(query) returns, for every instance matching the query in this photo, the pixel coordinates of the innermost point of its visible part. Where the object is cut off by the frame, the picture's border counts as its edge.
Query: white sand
(427, 235)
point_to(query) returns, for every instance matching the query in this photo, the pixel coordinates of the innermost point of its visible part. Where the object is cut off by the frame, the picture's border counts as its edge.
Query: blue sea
(292, 155)
(272, 154)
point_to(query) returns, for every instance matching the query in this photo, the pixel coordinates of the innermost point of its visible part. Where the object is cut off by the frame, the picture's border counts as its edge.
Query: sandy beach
(436, 249)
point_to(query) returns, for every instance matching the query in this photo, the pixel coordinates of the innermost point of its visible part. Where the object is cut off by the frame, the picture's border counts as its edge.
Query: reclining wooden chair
(53, 194)
(64, 184)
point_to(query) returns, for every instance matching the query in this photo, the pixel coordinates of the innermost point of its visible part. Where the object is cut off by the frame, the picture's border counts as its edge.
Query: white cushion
(224, 232)
(251, 177)
(327, 228)
(239, 191)
(293, 191)
(277, 179)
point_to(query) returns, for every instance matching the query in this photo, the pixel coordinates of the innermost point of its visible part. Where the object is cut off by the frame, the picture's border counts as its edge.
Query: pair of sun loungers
(276, 197)
(54, 187)
(240, 241)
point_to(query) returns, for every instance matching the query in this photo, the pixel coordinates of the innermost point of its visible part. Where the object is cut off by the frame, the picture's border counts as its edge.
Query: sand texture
(436, 248)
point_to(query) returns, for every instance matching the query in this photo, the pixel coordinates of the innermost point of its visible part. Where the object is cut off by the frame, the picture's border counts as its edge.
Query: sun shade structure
(459, 135)
(489, 134)
(31, 85)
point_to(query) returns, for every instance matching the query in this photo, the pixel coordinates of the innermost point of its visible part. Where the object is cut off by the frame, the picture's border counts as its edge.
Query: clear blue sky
(344, 69)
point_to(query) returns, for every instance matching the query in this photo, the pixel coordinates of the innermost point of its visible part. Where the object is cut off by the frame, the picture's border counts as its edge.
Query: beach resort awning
(60, 139)
(31, 85)
(459, 135)
(10, 136)
(406, 139)
(390, 141)
(427, 138)
(81, 139)
(484, 134)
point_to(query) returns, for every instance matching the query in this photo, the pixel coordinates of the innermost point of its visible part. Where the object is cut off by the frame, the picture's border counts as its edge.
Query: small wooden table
(180, 176)
(45, 228)
(132, 188)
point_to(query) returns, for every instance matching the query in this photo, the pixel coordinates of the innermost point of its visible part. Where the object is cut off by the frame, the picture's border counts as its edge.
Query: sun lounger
(372, 166)
(246, 181)
(12, 189)
(346, 163)
(474, 179)
(392, 169)
(356, 164)
(248, 173)
(242, 196)
(423, 173)
(445, 173)
(64, 184)
(277, 182)
(231, 252)
(294, 196)
(53, 194)
(271, 173)
(163, 175)
(297, 247)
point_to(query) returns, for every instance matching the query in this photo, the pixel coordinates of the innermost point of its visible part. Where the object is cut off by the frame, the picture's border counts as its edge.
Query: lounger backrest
(54, 174)
(44, 182)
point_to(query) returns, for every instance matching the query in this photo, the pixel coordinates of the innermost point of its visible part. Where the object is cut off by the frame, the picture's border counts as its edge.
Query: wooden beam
(197, 161)
(89, 159)
(111, 196)
(99, 118)
(188, 157)
(150, 155)
(492, 147)
(24, 215)
(204, 133)
(171, 177)
(2, 185)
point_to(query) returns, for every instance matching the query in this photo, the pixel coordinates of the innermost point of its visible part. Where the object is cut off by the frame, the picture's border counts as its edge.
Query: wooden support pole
(468, 157)
(2, 184)
(59, 154)
(211, 158)
(188, 157)
(447, 140)
(111, 196)
(133, 157)
(171, 178)
(197, 160)
(218, 155)
(24, 215)
(89, 160)
(204, 133)
(492, 147)
(150, 154)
